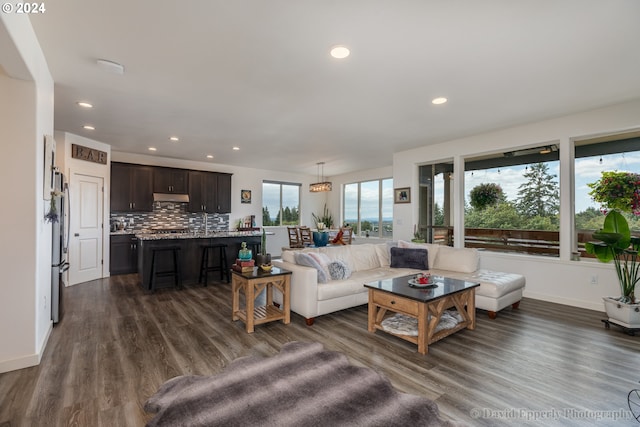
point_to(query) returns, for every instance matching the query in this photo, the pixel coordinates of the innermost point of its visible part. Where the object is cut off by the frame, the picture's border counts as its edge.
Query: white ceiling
(257, 73)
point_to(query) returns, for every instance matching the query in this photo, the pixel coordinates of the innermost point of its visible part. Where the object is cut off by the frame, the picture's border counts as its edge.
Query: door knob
(76, 234)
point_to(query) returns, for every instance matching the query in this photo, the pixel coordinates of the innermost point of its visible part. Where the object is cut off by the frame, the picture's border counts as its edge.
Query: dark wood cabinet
(170, 180)
(123, 254)
(209, 192)
(223, 193)
(131, 188)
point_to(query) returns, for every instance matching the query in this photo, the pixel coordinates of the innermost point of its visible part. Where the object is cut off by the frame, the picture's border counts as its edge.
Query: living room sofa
(310, 297)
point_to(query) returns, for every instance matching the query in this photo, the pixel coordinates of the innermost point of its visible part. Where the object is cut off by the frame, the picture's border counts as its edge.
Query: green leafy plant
(484, 195)
(618, 245)
(617, 190)
(324, 218)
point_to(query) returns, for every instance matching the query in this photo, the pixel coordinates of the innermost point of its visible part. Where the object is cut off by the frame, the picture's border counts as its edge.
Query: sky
(587, 170)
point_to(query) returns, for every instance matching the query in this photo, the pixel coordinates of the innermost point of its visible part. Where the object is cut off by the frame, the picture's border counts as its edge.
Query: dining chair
(294, 237)
(306, 238)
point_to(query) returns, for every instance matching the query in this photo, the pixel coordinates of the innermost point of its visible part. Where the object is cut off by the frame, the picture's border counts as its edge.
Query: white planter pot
(627, 315)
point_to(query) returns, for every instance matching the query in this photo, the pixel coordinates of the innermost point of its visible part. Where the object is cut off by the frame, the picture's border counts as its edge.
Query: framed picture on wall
(402, 195)
(245, 196)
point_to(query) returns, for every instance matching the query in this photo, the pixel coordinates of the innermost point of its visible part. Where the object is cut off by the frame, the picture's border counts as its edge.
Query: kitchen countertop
(197, 235)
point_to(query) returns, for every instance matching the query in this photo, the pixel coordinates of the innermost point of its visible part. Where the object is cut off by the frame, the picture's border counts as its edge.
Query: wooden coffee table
(252, 284)
(427, 305)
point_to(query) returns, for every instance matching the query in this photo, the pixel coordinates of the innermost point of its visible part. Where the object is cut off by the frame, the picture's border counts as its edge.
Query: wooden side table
(252, 284)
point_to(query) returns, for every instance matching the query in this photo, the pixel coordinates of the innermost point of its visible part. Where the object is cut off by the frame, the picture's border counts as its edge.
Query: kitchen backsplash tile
(169, 214)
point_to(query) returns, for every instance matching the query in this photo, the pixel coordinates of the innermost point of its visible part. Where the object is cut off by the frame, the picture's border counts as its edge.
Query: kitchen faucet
(206, 223)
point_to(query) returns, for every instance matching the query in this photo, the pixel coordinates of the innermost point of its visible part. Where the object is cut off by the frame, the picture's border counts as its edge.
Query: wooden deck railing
(536, 242)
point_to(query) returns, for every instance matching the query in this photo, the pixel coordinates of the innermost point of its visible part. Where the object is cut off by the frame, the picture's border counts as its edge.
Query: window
(435, 204)
(368, 207)
(592, 157)
(512, 201)
(280, 203)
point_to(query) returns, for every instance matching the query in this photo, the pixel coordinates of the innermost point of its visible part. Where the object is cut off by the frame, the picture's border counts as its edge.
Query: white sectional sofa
(371, 262)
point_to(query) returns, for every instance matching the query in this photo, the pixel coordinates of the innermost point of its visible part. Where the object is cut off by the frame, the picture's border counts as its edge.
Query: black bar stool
(255, 249)
(174, 271)
(222, 265)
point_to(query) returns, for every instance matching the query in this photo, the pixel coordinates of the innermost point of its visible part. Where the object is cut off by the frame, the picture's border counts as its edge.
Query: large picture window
(512, 201)
(368, 207)
(592, 157)
(280, 203)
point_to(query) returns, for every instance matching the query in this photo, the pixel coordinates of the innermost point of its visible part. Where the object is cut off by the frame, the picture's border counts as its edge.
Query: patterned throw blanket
(303, 385)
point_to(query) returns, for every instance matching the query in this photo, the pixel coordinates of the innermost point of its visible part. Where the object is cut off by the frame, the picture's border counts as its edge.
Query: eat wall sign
(88, 154)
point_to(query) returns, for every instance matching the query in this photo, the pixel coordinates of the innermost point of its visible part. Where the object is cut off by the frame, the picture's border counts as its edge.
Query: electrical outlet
(594, 280)
(190, 220)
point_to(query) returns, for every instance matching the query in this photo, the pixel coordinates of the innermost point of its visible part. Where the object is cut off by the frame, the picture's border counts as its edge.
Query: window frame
(358, 225)
(280, 208)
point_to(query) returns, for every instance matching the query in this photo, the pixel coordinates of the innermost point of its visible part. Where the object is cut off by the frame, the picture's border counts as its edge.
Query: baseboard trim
(28, 360)
(589, 305)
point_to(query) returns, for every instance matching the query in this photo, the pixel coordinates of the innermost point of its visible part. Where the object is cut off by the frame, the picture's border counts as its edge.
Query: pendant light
(321, 185)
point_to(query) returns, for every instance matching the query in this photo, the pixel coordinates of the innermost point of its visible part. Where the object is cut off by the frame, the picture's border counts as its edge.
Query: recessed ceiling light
(152, 148)
(84, 104)
(88, 127)
(438, 101)
(174, 138)
(236, 148)
(339, 52)
(209, 156)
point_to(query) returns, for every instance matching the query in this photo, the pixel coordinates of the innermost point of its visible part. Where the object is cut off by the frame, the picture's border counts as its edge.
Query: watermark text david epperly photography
(551, 414)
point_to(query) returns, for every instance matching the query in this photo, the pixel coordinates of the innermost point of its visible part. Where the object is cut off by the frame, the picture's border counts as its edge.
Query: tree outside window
(280, 204)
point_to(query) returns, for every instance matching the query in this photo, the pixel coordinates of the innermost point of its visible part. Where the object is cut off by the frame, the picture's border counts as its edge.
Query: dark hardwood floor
(543, 364)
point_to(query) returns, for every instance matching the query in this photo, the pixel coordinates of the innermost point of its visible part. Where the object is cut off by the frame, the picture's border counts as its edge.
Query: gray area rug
(303, 385)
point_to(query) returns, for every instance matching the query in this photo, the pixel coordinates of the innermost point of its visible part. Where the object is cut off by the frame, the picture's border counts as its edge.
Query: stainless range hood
(170, 197)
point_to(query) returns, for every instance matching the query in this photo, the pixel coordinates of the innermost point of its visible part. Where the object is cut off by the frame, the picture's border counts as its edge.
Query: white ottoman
(497, 290)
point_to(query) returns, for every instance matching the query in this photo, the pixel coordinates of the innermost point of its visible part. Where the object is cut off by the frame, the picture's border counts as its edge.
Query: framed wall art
(402, 195)
(245, 196)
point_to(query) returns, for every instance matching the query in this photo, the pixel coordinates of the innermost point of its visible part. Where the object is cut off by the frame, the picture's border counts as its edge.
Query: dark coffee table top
(257, 273)
(400, 286)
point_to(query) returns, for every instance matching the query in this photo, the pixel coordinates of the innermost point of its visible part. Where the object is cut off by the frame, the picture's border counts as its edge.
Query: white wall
(557, 280)
(26, 114)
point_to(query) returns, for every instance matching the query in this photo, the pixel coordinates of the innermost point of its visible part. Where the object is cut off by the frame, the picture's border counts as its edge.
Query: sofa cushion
(431, 248)
(306, 260)
(289, 256)
(409, 258)
(340, 253)
(338, 270)
(364, 257)
(463, 260)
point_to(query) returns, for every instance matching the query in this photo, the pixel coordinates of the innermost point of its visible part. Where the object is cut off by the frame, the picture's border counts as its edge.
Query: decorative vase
(623, 314)
(320, 238)
(244, 254)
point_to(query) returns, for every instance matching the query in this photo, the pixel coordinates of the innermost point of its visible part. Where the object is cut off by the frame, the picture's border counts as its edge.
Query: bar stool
(255, 248)
(222, 265)
(174, 271)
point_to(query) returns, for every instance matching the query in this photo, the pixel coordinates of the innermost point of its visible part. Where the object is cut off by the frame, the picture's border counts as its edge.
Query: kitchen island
(190, 245)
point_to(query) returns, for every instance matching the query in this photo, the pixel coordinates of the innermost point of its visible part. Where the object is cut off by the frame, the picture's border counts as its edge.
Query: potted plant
(325, 218)
(615, 243)
(263, 258)
(321, 237)
(417, 237)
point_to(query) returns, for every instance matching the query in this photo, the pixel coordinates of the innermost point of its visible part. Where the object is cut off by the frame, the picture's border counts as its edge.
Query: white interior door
(85, 245)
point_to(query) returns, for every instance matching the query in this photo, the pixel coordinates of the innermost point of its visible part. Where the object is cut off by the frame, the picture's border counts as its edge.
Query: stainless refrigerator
(60, 247)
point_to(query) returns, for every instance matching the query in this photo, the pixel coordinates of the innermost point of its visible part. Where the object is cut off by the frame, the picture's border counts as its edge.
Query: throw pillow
(339, 270)
(321, 259)
(308, 261)
(409, 258)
